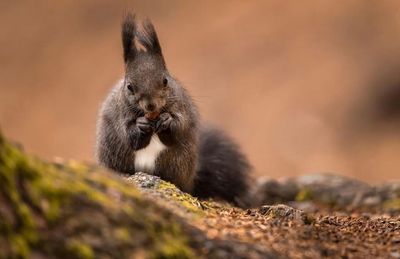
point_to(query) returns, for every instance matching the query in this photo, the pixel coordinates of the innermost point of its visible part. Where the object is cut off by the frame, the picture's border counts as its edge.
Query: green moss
(47, 197)
(114, 184)
(122, 234)
(76, 167)
(80, 250)
(186, 200)
(19, 246)
(393, 204)
(101, 179)
(304, 195)
(173, 249)
(172, 244)
(14, 169)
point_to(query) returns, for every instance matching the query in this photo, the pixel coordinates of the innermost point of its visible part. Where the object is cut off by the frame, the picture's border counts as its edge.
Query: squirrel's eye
(130, 87)
(165, 82)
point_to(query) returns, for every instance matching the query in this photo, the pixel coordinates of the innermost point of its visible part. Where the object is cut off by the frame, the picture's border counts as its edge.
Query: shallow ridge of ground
(283, 231)
(71, 209)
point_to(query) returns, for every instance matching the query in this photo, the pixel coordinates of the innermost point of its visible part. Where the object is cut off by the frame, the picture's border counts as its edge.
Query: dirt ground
(303, 87)
(325, 235)
(281, 231)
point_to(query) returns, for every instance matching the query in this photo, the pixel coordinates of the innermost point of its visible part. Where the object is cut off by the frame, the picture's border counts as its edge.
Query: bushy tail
(223, 171)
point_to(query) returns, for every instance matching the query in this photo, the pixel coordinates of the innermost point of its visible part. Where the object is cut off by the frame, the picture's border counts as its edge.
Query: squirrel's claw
(144, 125)
(164, 122)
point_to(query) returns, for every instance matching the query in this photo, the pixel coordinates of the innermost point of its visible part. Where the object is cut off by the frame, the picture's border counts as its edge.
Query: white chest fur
(145, 158)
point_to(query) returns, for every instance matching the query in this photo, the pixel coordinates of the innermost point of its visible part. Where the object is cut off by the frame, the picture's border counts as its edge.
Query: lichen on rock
(169, 193)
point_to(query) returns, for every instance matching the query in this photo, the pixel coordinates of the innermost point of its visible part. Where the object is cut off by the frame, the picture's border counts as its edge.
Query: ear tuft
(128, 34)
(148, 38)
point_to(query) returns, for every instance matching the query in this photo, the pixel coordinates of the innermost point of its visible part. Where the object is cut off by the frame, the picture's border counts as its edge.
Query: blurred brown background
(310, 86)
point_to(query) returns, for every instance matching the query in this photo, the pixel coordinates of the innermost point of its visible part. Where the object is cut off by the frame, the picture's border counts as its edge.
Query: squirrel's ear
(128, 35)
(148, 38)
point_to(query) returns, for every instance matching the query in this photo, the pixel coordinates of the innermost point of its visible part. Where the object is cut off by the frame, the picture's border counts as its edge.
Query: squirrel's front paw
(164, 122)
(144, 125)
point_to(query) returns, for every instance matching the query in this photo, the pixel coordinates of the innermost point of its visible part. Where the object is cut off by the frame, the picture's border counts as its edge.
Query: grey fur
(122, 128)
(118, 136)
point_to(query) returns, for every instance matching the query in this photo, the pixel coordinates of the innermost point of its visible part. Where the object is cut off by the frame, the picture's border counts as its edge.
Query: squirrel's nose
(150, 107)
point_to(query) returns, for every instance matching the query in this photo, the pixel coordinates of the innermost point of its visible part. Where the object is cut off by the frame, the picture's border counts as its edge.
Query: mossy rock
(74, 210)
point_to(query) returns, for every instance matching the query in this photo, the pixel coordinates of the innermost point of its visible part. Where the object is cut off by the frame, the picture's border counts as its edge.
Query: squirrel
(149, 123)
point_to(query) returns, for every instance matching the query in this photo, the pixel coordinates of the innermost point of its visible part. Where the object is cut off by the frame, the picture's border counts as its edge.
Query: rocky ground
(75, 210)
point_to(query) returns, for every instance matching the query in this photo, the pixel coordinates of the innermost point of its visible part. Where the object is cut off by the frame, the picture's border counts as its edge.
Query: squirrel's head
(146, 82)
